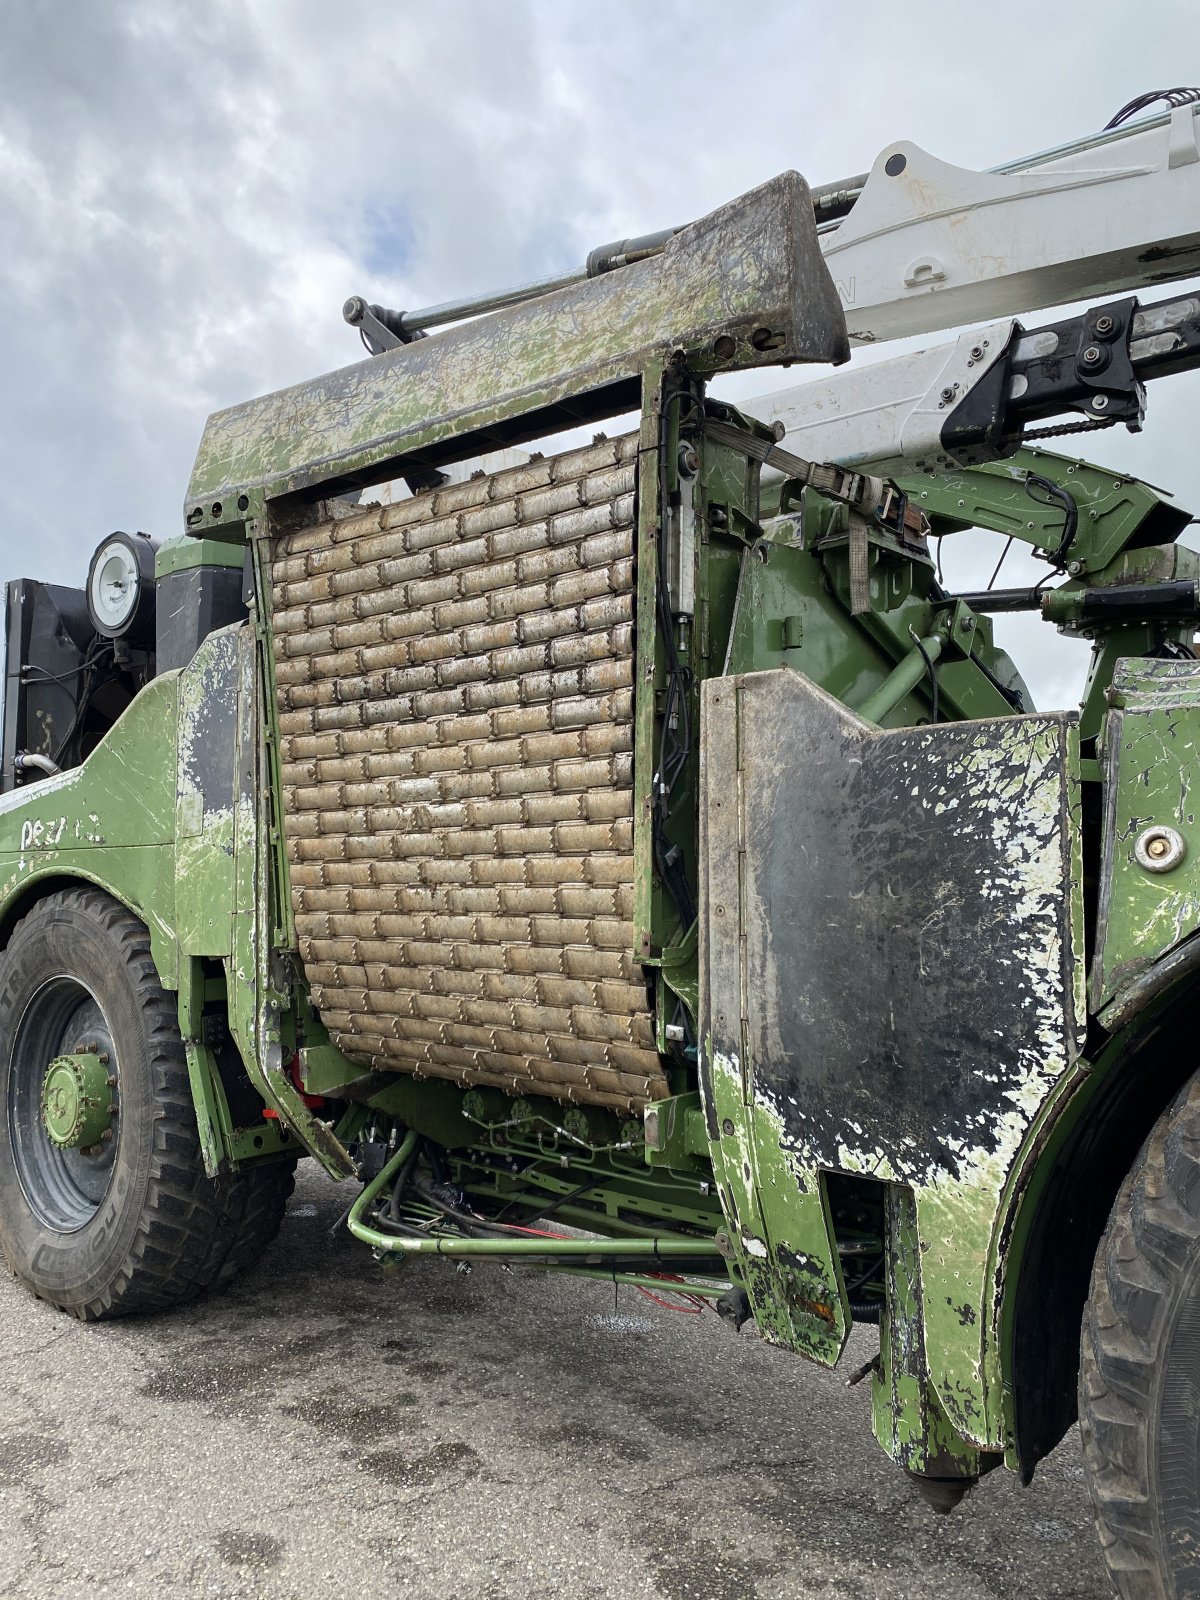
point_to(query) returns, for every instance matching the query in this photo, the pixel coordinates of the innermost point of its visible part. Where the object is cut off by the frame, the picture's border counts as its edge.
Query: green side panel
(111, 821)
(1150, 761)
(753, 265)
(780, 1233)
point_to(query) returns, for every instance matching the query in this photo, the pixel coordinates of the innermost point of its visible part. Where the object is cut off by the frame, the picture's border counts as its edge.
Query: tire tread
(194, 1232)
(1152, 1233)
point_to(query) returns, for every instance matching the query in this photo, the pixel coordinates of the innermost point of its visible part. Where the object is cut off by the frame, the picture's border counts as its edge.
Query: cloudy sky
(190, 188)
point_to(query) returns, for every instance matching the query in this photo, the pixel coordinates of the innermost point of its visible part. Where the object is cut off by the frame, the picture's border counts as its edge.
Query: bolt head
(1159, 849)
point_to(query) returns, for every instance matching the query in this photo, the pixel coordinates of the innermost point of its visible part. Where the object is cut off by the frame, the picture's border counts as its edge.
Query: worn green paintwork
(110, 822)
(779, 1233)
(753, 264)
(675, 1132)
(907, 1416)
(1113, 508)
(1151, 757)
(779, 1230)
(164, 815)
(1017, 775)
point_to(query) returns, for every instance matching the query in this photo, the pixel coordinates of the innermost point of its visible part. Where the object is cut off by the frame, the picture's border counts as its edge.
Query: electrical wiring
(675, 746)
(695, 1304)
(1143, 102)
(32, 673)
(88, 686)
(931, 669)
(1055, 494)
(686, 1310)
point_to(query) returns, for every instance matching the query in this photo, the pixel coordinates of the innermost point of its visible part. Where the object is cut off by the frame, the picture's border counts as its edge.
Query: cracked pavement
(328, 1426)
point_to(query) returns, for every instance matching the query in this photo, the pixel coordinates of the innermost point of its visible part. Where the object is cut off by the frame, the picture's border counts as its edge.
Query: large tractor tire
(105, 1207)
(1139, 1384)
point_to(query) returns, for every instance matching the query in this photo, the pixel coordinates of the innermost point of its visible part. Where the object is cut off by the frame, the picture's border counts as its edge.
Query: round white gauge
(114, 586)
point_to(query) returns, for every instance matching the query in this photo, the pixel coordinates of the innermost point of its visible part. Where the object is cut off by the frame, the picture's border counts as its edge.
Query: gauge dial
(120, 588)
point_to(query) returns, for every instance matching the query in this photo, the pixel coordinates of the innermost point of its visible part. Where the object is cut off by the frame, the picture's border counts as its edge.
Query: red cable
(668, 1305)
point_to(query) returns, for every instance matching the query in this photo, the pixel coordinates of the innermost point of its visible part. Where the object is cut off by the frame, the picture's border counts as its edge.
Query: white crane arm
(926, 245)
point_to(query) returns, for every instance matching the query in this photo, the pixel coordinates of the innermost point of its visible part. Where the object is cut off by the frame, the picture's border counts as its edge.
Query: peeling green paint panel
(908, 1419)
(1151, 754)
(110, 821)
(779, 1229)
(208, 792)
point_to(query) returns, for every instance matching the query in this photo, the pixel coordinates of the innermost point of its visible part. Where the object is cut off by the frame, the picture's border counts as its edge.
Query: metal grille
(455, 685)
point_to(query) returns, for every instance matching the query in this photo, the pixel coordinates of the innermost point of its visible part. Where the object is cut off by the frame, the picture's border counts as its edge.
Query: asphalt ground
(328, 1429)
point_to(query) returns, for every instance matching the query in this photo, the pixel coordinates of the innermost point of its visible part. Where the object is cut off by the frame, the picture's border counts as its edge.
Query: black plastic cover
(192, 603)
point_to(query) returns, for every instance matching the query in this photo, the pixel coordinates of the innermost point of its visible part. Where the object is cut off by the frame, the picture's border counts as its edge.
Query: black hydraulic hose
(1056, 493)
(931, 669)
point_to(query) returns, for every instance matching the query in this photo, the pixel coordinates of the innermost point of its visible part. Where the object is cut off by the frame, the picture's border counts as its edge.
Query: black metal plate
(889, 937)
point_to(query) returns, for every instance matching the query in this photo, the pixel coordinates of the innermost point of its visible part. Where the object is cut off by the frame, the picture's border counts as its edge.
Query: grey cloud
(188, 192)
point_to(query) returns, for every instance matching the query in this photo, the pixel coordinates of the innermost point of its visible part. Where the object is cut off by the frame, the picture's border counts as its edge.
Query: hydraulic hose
(583, 1251)
(29, 758)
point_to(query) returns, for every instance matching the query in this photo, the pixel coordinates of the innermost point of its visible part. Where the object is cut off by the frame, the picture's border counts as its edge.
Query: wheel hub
(77, 1102)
